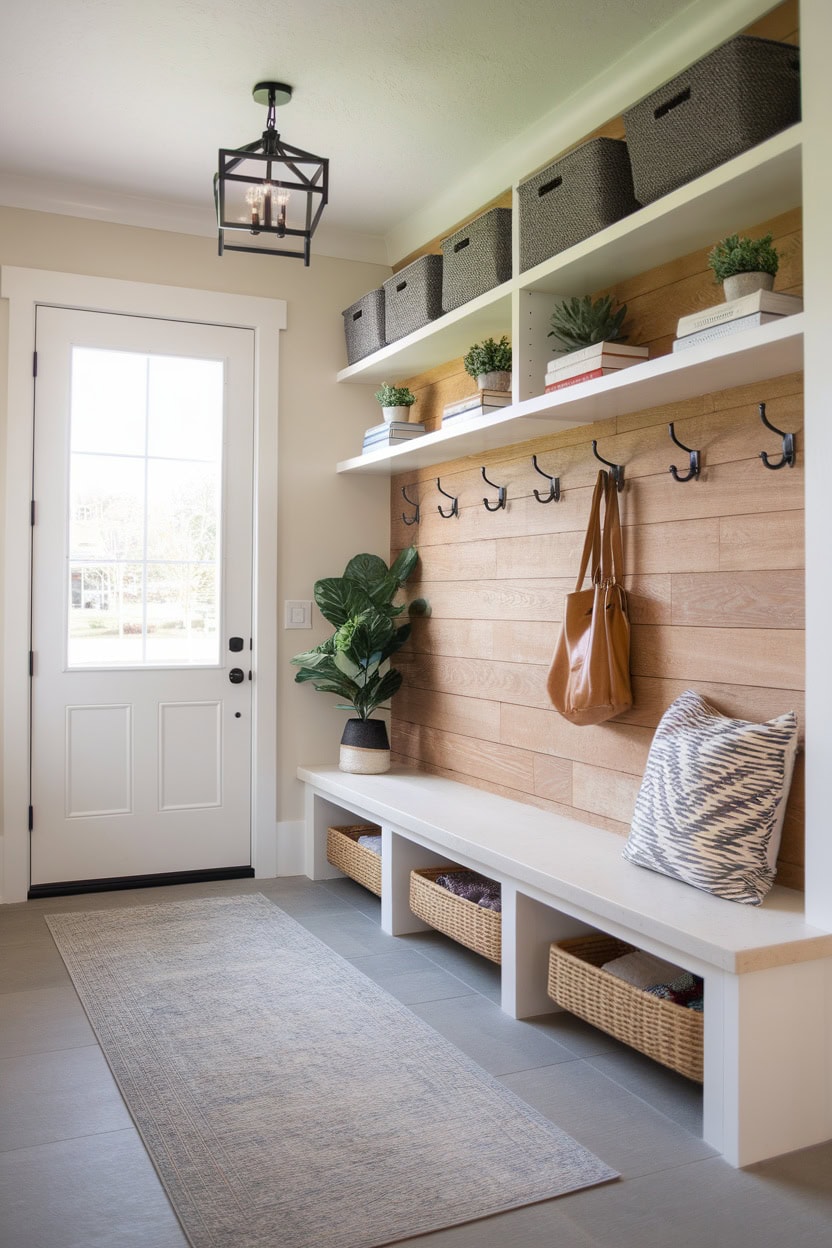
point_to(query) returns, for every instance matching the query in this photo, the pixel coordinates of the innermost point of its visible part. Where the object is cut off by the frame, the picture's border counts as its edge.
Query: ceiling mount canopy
(269, 196)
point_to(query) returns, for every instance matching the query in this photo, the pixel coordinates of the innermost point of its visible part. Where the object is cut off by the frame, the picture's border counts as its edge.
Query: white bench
(768, 975)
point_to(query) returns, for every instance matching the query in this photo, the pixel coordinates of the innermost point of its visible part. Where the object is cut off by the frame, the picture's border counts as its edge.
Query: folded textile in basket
(642, 970)
(371, 841)
(472, 887)
(688, 990)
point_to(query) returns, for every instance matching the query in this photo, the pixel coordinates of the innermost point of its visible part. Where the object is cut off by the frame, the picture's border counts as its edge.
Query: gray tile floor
(74, 1173)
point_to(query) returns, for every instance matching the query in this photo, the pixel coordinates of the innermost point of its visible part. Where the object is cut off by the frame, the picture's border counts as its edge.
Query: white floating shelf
(758, 185)
(754, 355)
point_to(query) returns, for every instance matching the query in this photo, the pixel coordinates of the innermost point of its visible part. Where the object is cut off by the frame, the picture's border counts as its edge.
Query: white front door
(141, 597)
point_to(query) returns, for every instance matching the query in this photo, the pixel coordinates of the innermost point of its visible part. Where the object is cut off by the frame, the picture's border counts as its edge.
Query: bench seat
(768, 974)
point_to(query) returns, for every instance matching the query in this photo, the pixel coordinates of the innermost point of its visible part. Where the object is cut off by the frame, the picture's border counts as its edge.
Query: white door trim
(25, 289)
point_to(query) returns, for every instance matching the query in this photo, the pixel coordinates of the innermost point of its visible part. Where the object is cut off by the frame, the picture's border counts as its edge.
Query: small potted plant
(490, 363)
(396, 402)
(744, 265)
(582, 322)
(353, 662)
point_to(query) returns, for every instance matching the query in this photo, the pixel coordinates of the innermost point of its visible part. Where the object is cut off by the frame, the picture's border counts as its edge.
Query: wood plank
(769, 391)
(450, 637)
(553, 778)
(443, 563)
(469, 717)
(621, 747)
(734, 489)
(522, 683)
(487, 760)
(761, 542)
(602, 791)
(738, 656)
(652, 695)
(496, 600)
(524, 641)
(739, 599)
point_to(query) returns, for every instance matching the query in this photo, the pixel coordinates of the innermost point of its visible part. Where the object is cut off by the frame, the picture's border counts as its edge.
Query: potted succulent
(743, 264)
(396, 401)
(490, 363)
(353, 662)
(583, 322)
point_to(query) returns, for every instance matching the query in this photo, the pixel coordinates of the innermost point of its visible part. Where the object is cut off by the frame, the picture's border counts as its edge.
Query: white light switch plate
(297, 613)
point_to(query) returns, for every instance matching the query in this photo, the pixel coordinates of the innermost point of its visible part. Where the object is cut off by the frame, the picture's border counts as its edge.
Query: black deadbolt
(235, 643)
(236, 675)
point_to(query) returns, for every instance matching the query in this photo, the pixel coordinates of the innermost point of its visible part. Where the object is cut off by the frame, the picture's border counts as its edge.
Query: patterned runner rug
(286, 1099)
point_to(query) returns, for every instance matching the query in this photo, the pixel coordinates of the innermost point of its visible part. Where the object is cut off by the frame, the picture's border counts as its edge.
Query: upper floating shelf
(739, 359)
(758, 185)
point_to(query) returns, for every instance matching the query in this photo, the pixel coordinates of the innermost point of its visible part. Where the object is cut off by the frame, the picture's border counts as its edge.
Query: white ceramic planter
(395, 413)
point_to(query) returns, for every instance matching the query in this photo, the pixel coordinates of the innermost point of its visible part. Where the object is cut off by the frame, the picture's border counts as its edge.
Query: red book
(573, 381)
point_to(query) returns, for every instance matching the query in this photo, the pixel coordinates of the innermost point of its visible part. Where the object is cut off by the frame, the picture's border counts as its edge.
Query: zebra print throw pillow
(711, 805)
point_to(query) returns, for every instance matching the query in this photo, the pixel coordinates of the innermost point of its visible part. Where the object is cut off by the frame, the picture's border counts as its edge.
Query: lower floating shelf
(739, 359)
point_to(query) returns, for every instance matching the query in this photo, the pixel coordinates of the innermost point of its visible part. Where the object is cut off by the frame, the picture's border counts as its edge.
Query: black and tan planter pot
(365, 748)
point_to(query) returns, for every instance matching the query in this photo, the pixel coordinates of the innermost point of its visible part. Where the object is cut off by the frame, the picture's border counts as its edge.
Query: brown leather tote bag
(589, 679)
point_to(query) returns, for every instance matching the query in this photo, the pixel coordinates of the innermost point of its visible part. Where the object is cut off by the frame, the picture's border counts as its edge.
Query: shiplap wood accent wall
(716, 580)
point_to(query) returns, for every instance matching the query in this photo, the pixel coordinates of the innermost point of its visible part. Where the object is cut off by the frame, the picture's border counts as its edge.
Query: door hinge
(31, 818)
(31, 662)
(32, 513)
(34, 363)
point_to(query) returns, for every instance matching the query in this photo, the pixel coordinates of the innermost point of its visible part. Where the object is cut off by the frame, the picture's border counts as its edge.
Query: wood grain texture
(741, 656)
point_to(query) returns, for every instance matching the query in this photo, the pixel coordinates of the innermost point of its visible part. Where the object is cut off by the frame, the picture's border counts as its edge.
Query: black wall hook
(454, 507)
(501, 494)
(789, 450)
(695, 463)
(617, 470)
(554, 485)
(414, 519)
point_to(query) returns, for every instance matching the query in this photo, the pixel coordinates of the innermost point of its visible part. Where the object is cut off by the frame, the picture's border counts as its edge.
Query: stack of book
(480, 403)
(599, 360)
(391, 433)
(733, 317)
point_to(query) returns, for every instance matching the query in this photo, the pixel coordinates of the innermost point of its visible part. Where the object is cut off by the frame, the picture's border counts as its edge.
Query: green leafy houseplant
(736, 254)
(488, 357)
(360, 606)
(395, 396)
(580, 322)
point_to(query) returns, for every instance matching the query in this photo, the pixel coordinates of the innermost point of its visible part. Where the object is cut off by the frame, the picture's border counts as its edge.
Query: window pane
(109, 401)
(105, 614)
(106, 509)
(182, 614)
(182, 510)
(185, 408)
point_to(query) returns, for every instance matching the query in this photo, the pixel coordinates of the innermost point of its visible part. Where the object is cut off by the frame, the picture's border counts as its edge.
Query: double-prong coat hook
(501, 494)
(414, 519)
(453, 510)
(616, 470)
(788, 443)
(554, 486)
(695, 463)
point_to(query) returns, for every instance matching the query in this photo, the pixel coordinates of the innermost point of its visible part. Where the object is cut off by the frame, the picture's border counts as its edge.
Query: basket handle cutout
(681, 98)
(549, 186)
(357, 314)
(459, 246)
(400, 287)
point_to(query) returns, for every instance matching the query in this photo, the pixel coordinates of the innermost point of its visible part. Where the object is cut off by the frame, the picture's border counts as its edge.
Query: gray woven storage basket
(413, 297)
(735, 97)
(476, 258)
(364, 325)
(586, 190)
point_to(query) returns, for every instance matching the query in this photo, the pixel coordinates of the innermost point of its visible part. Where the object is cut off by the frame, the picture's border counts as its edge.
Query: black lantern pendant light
(269, 196)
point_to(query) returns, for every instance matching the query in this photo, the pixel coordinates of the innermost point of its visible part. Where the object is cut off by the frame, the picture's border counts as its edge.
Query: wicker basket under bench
(356, 861)
(474, 926)
(669, 1033)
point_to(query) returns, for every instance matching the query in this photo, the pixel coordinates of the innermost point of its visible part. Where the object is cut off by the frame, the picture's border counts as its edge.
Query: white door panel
(142, 556)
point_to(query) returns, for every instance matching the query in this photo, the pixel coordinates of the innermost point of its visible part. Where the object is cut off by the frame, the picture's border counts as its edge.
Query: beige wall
(323, 519)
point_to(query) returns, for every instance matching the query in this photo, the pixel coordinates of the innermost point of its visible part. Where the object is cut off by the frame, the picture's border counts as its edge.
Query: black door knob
(235, 643)
(236, 675)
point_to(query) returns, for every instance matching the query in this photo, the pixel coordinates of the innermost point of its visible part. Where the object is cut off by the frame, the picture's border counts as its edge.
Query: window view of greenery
(145, 505)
